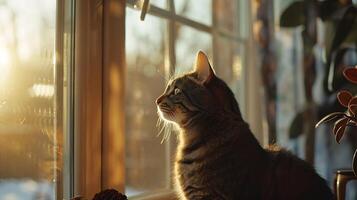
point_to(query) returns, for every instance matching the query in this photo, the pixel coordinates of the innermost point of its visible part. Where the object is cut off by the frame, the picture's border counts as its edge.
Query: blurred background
(28, 137)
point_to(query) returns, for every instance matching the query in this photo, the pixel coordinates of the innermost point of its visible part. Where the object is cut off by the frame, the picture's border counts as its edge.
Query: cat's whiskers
(159, 122)
(165, 136)
(167, 131)
(160, 128)
(165, 127)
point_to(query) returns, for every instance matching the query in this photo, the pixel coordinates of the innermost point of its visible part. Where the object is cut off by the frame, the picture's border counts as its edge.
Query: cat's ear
(203, 68)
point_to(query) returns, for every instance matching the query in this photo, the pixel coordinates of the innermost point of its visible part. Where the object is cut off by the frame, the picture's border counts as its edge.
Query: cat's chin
(167, 117)
(172, 118)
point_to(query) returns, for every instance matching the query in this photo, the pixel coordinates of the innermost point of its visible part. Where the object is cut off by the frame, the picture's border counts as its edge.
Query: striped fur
(219, 158)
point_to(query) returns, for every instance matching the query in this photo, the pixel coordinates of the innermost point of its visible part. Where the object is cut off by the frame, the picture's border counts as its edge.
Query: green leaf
(327, 8)
(293, 15)
(337, 58)
(344, 26)
(296, 127)
(345, 29)
(330, 117)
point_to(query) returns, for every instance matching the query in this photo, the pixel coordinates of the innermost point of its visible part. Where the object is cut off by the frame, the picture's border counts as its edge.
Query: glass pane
(29, 142)
(226, 14)
(189, 41)
(229, 66)
(137, 4)
(231, 16)
(159, 3)
(197, 10)
(146, 158)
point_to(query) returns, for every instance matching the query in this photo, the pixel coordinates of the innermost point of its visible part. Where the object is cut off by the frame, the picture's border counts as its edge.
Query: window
(145, 72)
(31, 101)
(59, 141)
(34, 100)
(162, 45)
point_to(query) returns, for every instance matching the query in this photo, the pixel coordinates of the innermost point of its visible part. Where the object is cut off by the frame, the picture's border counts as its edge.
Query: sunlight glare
(139, 4)
(42, 90)
(237, 67)
(4, 63)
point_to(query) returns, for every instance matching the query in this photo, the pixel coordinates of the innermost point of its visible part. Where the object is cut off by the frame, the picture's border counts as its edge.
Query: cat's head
(198, 92)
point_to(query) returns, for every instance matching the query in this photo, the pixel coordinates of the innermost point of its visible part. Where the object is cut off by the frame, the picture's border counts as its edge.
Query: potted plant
(340, 17)
(347, 118)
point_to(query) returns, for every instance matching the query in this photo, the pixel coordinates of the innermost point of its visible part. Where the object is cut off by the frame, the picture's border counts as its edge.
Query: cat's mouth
(172, 114)
(166, 112)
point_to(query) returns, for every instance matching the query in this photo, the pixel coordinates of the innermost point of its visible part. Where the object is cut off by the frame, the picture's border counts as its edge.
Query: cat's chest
(191, 181)
(209, 180)
(201, 167)
(191, 166)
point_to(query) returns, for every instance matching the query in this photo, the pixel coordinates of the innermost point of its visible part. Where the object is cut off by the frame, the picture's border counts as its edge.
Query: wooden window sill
(159, 195)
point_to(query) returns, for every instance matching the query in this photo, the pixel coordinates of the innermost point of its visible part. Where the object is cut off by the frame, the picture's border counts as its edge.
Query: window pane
(29, 142)
(159, 3)
(146, 158)
(189, 41)
(229, 66)
(226, 14)
(137, 4)
(198, 10)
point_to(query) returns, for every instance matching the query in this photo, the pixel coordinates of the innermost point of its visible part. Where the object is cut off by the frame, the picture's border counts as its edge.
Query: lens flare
(4, 63)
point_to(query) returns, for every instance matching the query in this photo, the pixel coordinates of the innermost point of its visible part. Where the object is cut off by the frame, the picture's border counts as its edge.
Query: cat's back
(289, 177)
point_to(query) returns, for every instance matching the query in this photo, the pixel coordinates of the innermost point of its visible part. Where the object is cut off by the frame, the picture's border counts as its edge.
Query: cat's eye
(177, 91)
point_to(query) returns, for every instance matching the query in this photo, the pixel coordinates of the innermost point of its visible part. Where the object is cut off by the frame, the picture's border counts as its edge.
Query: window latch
(144, 9)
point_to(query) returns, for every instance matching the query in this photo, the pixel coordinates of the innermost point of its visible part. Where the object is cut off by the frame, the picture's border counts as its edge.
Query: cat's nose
(159, 100)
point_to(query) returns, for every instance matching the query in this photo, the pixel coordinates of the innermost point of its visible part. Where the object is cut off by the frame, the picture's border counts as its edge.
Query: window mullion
(214, 32)
(66, 50)
(59, 98)
(170, 63)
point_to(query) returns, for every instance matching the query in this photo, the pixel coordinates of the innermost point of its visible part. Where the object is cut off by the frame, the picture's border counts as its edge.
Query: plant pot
(341, 179)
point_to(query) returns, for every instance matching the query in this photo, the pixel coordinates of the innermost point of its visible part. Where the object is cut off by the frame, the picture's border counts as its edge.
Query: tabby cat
(218, 158)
